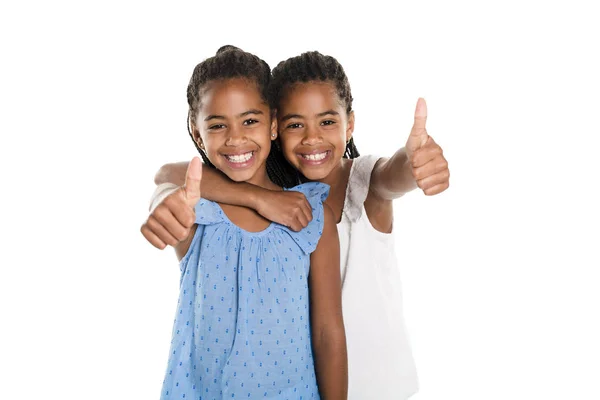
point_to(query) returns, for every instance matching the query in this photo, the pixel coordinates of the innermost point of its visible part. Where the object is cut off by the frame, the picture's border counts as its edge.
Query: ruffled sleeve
(308, 238)
(208, 213)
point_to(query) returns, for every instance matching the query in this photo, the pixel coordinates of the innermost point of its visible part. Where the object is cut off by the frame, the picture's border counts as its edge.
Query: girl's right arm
(290, 208)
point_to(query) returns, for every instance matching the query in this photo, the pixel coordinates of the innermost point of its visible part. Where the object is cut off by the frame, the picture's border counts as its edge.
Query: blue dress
(242, 326)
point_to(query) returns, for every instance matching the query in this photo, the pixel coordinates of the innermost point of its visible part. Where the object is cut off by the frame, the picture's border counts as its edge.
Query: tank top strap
(358, 186)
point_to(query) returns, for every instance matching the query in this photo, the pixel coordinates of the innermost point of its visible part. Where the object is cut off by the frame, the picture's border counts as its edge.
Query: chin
(315, 174)
(239, 176)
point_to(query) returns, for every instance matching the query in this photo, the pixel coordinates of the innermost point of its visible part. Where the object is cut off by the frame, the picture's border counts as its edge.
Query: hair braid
(351, 150)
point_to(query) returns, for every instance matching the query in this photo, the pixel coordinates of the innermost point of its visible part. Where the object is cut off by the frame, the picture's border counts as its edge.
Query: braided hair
(314, 66)
(232, 62)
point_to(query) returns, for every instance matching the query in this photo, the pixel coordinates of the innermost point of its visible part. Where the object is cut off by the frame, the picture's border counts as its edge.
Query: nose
(311, 137)
(235, 137)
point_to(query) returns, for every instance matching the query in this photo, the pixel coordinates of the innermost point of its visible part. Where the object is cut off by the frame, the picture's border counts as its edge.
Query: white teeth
(240, 158)
(315, 157)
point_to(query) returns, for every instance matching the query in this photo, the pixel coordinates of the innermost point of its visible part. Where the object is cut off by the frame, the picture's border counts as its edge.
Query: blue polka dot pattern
(242, 325)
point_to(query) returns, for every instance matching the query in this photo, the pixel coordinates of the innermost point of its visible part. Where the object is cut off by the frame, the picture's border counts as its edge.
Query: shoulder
(316, 191)
(328, 216)
(208, 212)
(364, 165)
(329, 238)
(329, 230)
(379, 211)
(359, 184)
(309, 237)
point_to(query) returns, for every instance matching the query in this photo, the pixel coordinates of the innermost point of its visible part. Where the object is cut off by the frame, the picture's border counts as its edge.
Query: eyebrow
(214, 117)
(328, 112)
(245, 113)
(253, 111)
(324, 113)
(290, 116)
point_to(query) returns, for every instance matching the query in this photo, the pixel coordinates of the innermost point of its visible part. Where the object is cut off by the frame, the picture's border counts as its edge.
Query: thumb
(418, 134)
(193, 177)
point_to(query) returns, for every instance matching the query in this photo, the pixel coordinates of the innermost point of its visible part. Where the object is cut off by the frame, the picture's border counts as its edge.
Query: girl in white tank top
(381, 364)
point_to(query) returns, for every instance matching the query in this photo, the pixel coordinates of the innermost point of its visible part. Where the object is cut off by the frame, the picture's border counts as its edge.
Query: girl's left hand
(428, 164)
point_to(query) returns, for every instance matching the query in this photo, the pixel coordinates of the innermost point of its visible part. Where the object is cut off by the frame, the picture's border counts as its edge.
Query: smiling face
(235, 129)
(314, 128)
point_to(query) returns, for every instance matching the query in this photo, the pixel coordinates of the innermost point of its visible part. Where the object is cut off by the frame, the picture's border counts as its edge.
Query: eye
(328, 122)
(294, 126)
(216, 126)
(250, 122)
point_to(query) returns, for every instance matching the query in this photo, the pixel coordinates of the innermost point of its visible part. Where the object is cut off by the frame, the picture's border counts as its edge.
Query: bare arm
(215, 186)
(290, 209)
(328, 334)
(392, 177)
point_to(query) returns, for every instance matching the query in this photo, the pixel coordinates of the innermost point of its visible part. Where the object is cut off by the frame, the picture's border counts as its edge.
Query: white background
(500, 272)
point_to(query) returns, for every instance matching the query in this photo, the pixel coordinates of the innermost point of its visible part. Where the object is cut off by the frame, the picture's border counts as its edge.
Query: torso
(242, 325)
(380, 361)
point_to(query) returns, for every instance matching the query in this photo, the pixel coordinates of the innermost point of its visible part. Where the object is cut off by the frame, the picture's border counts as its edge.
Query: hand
(288, 208)
(428, 164)
(171, 221)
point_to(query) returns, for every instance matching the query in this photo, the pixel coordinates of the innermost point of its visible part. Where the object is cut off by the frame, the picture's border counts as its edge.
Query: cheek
(287, 147)
(263, 139)
(342, 134)
(340, 140)
(211, 145)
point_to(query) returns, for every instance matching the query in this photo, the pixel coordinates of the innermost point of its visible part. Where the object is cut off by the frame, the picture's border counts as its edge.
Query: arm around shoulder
(172, 173)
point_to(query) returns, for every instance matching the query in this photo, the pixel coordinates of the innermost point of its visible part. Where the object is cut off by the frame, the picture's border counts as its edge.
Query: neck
(336, 176)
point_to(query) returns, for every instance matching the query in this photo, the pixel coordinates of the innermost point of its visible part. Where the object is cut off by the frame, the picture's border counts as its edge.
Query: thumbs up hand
(418, 134)
(193, 178)
(428, 164)
(171, 221)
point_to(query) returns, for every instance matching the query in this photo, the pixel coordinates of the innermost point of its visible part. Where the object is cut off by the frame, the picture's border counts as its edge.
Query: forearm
(393, 178)
(219, 188)
(172, 173)
(331, 363)
(215, 186)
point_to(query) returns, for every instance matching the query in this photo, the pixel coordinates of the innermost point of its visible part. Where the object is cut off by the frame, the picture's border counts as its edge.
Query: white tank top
(380, 361)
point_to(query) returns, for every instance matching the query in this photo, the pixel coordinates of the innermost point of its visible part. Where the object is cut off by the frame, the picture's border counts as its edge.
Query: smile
(315, 158)
(239, 158)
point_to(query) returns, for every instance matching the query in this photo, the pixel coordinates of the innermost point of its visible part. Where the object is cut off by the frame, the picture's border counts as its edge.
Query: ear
(196, 136)
(273, 125)
(350, 126)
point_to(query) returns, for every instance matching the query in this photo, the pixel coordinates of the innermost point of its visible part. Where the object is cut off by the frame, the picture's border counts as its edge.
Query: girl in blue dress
(259, 311)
